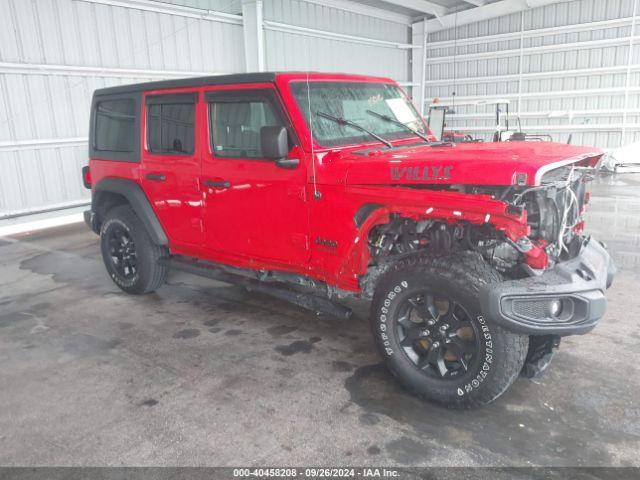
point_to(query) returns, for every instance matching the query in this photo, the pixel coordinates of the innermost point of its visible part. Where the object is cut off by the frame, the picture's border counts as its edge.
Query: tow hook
(535, 256)
(524, 244)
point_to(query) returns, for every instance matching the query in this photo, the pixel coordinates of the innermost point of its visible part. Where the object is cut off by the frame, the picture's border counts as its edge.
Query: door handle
(156, 177)
(217, 184)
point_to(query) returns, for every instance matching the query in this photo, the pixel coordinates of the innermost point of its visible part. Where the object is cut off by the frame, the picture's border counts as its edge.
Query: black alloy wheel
(122, 252)
(437, 335)
(432, 334)
(132, 259)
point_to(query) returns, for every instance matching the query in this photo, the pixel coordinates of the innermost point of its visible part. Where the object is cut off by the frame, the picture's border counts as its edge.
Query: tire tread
(152, 274)
(467, 271)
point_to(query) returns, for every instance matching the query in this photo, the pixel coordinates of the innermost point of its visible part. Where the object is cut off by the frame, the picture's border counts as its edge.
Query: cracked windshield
(346, 113)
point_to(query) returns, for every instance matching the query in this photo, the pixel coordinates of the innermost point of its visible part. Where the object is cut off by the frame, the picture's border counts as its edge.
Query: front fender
(453, 207)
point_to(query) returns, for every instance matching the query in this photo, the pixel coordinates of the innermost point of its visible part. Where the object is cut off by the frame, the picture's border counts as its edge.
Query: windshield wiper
(343, 121)
(387, 118)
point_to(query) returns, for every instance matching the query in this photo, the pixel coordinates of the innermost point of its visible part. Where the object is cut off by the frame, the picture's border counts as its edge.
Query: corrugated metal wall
(363, 44)
(567, 67)
(54, 53)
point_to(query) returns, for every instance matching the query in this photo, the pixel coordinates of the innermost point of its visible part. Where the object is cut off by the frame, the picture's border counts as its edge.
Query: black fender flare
(365, 212)
(138, 201)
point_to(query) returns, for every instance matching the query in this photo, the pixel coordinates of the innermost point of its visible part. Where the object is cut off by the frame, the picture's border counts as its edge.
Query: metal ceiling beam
(477, 3)
(172, 9)
(422, 6)
(376, 12)
(485, 12)
(313, 32)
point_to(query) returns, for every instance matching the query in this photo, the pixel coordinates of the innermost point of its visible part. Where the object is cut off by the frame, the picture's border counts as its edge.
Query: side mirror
(274, 144)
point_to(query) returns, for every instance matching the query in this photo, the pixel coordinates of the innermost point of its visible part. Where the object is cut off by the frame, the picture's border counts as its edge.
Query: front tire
(129, 254)
(429, 327)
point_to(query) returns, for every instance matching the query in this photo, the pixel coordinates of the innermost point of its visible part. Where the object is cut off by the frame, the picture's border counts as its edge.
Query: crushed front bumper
(567, 299)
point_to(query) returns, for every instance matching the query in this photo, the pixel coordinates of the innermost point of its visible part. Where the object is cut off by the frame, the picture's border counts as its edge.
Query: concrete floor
(202, 373)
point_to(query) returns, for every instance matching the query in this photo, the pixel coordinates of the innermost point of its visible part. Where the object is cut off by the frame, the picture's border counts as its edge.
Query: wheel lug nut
(444, 327)
(426, 333)
(435, 344)
(431, 322)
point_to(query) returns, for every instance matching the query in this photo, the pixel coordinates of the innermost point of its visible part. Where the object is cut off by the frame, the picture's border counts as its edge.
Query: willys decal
(421, 173)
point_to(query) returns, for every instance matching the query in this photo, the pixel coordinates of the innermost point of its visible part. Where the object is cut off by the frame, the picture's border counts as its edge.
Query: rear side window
(114, 126)
(170, 128)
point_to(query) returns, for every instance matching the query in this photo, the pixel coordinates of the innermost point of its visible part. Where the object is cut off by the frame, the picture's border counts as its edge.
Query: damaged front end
(555, 276)
(565, 296)
(555, 211)
(550, 217)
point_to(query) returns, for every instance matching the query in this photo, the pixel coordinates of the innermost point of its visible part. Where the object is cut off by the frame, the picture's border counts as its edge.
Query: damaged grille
(555, 208)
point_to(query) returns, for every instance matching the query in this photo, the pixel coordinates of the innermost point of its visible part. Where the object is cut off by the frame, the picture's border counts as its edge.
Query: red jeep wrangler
(318, 187)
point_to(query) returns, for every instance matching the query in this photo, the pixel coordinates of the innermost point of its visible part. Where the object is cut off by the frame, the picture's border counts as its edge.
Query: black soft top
(190, 82)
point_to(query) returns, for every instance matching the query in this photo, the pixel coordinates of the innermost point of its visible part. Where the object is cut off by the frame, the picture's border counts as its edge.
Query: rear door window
(171, 124)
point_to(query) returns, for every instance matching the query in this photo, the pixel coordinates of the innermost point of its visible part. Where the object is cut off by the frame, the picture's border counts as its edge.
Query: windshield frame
(359, 140)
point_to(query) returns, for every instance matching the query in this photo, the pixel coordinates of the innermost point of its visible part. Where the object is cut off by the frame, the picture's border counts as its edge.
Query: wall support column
(418, 64)
(627, 85)
(252, 25)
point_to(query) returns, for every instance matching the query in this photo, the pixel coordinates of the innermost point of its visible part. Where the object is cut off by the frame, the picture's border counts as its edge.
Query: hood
(504, 163)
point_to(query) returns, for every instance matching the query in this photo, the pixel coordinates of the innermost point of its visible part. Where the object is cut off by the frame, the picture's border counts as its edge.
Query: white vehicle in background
(624, 159)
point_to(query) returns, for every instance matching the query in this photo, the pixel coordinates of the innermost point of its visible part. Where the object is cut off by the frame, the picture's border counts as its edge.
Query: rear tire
(428, 325)
(129, 254)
